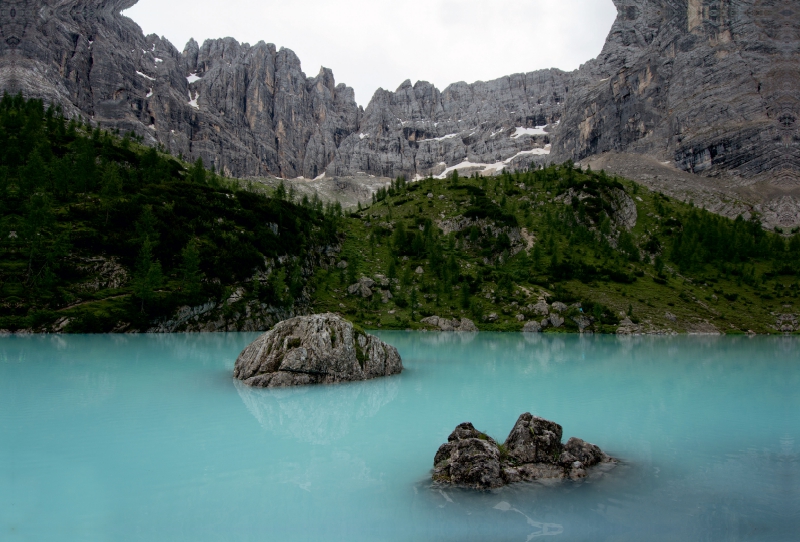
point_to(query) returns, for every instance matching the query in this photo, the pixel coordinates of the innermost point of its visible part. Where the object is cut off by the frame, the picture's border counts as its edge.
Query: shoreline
(658, 333)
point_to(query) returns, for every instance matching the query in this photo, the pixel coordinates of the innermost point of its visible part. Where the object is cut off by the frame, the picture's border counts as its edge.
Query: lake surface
(148, 438)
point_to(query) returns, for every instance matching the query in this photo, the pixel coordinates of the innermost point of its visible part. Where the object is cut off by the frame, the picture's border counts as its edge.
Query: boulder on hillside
(582, 321)
(316, 349)
(556, 321)
(465, 324)
(532, 327)
(363, 287)
(532, 451)
(541, 308)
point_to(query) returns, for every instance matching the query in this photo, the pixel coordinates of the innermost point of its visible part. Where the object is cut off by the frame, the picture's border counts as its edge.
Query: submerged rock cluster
(532, 451)
(316, 349)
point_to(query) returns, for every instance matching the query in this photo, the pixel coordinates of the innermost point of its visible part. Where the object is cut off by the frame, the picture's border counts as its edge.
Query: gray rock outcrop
(532, 327)
(583, 322)
(246, 110)
(702, 84)
(444, 324)
(484, 127)
(316, 349)
(468, 458)
(532, 451)
(362, 288)
(541, 308)
(556, 320)
(627, 327)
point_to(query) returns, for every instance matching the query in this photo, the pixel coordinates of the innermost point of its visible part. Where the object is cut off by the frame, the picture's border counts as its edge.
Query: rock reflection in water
(318, 414)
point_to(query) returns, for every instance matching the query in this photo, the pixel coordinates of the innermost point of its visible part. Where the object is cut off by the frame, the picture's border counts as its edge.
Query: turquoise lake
(148, 438)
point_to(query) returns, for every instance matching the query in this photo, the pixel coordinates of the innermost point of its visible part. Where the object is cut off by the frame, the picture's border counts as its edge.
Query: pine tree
(465, 296)
(190, 268)
(147, 275)
(537, 255)
(34, 175)
(280, 192)
(112, 187)
(38, 218)
(146, 226)
(352, 268)
(399, 239)
(197, 173)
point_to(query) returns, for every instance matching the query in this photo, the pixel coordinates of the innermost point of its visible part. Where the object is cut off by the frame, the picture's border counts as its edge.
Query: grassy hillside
(490, 248)
(100, 233)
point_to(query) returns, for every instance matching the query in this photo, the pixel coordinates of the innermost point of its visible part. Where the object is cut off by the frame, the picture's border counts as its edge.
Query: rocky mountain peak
(707, 87)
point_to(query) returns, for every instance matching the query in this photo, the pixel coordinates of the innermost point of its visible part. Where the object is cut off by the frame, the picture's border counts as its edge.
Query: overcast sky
(378, 43)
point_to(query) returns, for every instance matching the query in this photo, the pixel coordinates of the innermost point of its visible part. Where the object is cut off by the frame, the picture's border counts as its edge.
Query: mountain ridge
(703, 85)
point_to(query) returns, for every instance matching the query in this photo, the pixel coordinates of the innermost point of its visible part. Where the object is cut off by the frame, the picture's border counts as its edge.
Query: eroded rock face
(246, 110)
(317, 349)
(532, 451)
(672, 70)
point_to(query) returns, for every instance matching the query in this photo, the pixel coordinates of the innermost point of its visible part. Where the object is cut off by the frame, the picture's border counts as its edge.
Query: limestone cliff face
(418, 130)
(708, 85)
(705, 86)
(248, 110)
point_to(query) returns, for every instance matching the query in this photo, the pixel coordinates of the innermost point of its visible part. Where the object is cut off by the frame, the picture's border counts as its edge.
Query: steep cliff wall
(707, 86)
(248, 110)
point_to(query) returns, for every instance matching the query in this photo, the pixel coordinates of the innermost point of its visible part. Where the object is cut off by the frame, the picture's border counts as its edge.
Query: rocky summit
(683, 91)
(317, 349)
(532, 451)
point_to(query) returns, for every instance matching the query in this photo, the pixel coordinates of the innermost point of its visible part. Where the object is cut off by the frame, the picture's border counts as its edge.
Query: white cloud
(373, 43)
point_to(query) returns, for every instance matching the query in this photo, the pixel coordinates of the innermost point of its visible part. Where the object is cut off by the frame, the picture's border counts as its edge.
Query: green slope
(560, 234)
(100, 233)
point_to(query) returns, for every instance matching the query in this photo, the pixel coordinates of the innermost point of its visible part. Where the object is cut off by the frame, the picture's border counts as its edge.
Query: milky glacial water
(140, 438)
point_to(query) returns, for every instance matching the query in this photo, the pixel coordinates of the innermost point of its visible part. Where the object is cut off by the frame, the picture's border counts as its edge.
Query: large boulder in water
(469, 458)
(317, 349)
(532, 451)
(533, 440)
